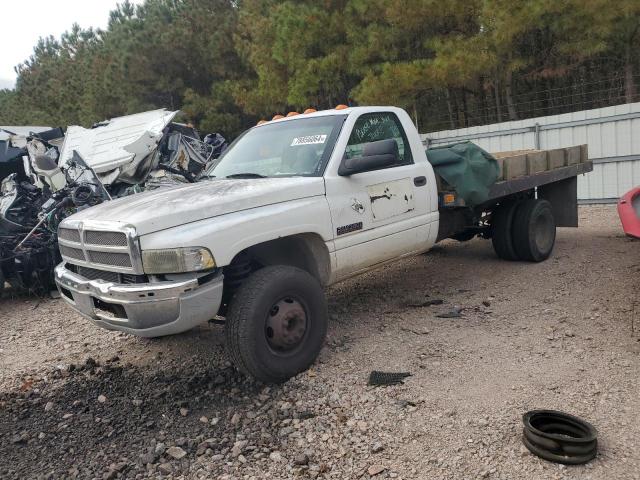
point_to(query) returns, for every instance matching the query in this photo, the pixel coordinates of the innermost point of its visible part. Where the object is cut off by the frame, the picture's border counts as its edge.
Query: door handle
(420, 181)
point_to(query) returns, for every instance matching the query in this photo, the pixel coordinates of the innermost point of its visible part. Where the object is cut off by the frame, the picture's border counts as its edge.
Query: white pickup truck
(294, 205)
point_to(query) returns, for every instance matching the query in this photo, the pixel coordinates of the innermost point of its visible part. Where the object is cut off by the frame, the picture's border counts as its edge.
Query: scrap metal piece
(559, 437)
(387, 378)
(455, 312)
(122, 144)
(184, 158)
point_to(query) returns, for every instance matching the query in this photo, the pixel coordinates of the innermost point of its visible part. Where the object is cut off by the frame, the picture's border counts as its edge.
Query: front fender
(227, 235)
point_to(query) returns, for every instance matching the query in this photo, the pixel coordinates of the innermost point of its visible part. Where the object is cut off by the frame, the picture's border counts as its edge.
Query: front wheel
(277, 323)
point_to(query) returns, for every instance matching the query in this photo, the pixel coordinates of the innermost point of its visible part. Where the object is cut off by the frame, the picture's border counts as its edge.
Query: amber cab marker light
(277, 117)
(310, 110)
(341, 107)
(261, 122)
(292, 114)
(449, 198)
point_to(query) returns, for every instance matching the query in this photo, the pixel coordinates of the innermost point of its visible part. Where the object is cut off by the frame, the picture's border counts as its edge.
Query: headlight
(177, 260)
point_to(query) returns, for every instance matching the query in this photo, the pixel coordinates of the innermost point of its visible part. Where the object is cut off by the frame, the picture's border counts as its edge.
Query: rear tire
(277, 323)
(534, 230)
(502, 231)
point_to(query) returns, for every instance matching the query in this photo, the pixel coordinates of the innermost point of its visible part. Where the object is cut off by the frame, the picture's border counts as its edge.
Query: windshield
(299, 147)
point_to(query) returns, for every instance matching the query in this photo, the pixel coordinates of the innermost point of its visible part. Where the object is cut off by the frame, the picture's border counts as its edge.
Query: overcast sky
(24, 21)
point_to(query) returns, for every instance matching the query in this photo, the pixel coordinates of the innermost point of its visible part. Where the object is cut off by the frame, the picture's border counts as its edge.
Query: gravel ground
(80, 402)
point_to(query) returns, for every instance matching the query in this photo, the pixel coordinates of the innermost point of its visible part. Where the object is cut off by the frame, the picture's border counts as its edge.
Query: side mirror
(375, 155)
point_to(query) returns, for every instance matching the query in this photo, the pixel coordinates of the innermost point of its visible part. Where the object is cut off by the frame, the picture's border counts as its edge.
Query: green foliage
(227, 63)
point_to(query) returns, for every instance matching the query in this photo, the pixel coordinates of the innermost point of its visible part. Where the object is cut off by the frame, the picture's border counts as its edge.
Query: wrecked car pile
(46, 176)
(25, 156)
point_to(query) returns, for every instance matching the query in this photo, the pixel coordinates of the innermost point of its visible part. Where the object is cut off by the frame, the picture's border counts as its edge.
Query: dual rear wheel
(524, 230)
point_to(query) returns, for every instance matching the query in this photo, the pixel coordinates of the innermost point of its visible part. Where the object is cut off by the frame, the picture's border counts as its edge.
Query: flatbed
(556, 183)
(510, 187)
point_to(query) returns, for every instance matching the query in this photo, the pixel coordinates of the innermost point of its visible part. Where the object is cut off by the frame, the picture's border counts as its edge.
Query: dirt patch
(562, 334)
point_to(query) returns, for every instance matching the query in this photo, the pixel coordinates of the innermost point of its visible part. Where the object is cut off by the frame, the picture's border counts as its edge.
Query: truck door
(381, 214)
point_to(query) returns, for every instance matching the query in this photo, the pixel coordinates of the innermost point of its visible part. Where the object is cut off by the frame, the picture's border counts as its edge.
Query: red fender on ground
(629, 212)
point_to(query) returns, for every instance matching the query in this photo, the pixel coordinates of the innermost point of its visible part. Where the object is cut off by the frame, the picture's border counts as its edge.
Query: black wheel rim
(286, 325)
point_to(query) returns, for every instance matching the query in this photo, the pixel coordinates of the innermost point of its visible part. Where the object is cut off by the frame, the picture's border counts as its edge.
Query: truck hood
(168, 207)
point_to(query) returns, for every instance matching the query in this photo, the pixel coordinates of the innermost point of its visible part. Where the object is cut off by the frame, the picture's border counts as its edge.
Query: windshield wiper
(246, 175)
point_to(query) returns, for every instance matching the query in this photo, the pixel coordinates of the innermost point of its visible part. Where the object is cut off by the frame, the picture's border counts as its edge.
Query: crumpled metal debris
(47, 175)
(27, 248)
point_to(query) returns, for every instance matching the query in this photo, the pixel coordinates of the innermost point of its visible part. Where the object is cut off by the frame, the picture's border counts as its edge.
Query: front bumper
(145, 309)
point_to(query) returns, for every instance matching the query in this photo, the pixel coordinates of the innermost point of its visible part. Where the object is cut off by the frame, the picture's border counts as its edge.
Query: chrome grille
(68, 234)
(110, 239)
(71, 252)
(92, 245)
(93, 274)
(110, 258)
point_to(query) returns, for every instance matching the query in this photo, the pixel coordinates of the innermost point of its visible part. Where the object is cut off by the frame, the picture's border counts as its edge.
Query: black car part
(28, 239)
(559, 437)
(387, 378)
(10, 159)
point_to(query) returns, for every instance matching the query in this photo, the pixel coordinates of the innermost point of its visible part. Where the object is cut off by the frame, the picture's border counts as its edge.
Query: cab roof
(331, 112)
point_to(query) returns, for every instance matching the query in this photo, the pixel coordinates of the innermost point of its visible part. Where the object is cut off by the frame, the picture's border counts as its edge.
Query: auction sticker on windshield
(309, 140)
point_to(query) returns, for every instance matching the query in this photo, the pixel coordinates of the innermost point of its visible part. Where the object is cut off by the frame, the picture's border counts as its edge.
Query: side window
(372, 127)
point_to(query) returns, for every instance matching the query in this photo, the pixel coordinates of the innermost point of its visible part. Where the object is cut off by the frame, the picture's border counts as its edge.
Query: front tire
(276, 323)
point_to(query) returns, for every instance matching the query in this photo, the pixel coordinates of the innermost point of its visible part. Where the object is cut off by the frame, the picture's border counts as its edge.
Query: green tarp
(467, 168)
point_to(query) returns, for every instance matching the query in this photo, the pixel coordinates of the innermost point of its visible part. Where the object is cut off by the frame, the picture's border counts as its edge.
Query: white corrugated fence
(612, 134)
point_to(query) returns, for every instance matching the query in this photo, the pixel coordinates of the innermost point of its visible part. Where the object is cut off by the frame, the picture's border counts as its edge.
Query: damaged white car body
(119, 149)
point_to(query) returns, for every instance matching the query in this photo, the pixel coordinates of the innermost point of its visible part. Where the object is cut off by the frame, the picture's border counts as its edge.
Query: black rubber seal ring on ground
(559, 437)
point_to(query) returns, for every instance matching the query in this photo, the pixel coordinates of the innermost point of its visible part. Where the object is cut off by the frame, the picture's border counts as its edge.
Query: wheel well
(306, 251)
